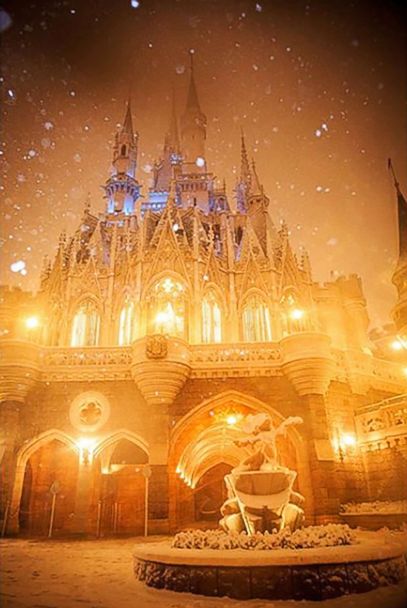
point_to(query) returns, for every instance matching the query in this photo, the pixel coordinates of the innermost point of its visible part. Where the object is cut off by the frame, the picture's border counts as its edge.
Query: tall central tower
(193, 129)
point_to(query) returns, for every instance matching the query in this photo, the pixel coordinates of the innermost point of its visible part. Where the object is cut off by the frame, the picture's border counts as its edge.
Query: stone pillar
(323, 467)
(158, 500)
(84, 486)
(9, 423)
(158, 484)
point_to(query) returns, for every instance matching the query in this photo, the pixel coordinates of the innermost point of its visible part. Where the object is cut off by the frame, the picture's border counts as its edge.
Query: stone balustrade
(306, 358)
(382, 424)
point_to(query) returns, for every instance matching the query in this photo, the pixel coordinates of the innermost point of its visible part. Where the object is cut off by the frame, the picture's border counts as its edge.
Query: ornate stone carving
(160, 382)
(156, 347)
(89, 411)
(382, 424)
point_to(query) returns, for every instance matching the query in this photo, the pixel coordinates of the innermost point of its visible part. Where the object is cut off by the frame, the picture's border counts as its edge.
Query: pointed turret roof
(192, 99)
(172, 137)
(128, 122)
(401, 216)
(245, 176)
(257, 187)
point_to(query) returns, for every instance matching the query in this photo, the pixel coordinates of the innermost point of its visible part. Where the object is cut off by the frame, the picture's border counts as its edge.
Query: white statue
(260, 490)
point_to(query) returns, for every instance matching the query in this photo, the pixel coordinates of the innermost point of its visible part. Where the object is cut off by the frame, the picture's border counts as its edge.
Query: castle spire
(399, 278)
(128, 122)
(193, 128)
(192, 99)
(245, 177)
(401, 216)
(258, 188)
(122, 189)
(172, 137)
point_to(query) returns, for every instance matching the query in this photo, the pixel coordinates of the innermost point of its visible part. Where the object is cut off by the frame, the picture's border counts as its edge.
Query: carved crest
(156, 347)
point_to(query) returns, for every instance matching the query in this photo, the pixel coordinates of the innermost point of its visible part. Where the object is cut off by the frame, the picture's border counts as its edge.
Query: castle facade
(159, 324)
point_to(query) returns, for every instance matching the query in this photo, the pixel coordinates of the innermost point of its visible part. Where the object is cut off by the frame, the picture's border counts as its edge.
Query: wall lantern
(32, 322)
(296, 314)
(344, 444)
(86, 448)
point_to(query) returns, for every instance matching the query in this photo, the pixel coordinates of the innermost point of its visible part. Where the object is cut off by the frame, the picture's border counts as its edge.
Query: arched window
(126, 324)
(211, 319)
(86, 325)
(294, 316)
(166, 308)
(256, 320)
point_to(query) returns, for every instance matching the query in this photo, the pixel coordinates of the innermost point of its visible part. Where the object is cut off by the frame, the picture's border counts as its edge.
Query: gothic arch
(211, 286)
(112, 439)
(208, 319)
(195, 447)
(171, 274)
(255, 321)
(84, 297)
(253, 291)
(167, 310)
(75, 309)
(23, 455)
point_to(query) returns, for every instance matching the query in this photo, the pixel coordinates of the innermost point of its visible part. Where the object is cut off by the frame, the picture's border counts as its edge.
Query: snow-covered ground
(98, 574)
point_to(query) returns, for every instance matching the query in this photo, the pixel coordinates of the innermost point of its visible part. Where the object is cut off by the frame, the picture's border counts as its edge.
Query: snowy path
(98, 574)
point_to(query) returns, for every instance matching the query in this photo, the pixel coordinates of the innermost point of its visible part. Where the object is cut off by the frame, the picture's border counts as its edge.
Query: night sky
(318, 87)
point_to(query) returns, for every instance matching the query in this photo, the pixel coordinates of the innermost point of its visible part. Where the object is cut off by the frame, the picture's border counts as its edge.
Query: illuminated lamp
(200, 162)
(296, 314)
(231, 419)
(86, 447)
(32, 322)
(396, 345)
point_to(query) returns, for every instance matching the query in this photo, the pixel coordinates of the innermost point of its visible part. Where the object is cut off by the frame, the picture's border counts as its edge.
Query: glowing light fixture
(232, 419)
(396, 345)
(343, 443)
(32, 322)
(86, 447)
(200, 162)
(296, 314)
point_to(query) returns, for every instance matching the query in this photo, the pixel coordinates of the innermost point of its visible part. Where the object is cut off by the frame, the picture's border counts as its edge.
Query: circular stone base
(314, 574)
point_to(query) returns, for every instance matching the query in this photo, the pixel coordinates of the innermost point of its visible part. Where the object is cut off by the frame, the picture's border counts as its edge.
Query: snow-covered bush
(329, 535)
(377, 506)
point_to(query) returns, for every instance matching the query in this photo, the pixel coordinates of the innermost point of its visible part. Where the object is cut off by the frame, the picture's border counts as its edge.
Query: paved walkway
(98, 574)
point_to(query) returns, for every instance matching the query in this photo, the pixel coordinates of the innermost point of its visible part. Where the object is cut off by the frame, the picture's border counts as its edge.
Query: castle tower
(171, 158)
(245, 178)
(122, 188)
(399, 278)
(193, 129)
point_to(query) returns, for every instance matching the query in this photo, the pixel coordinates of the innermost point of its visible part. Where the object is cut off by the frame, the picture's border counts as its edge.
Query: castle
(159, 324)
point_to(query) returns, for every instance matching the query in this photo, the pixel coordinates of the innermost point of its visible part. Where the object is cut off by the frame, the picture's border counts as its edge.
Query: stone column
(84, 485)
(9, 423)
(323, 467)
(158, 484)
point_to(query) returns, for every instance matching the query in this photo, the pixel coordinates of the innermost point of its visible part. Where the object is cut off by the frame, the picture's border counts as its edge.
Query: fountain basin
(314, 574)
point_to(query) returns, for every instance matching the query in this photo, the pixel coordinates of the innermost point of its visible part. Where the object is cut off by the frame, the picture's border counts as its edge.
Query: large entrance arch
(50, 460)
(204, 438)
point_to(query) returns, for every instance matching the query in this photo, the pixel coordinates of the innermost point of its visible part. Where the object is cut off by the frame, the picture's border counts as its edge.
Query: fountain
(261, 549)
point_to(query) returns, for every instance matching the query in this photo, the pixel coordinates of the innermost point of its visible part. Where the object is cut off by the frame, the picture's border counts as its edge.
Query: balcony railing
(382, 424)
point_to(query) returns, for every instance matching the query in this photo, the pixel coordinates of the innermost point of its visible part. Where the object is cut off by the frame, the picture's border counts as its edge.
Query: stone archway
(47, 450)
(203, 438)
(120, 490)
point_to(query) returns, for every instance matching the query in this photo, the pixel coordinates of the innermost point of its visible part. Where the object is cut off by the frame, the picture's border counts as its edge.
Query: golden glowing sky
(319, 88)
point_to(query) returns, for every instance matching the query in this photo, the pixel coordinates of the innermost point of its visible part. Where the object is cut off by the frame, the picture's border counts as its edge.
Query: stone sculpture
(260, 491)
